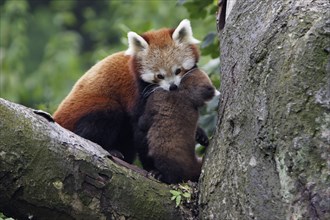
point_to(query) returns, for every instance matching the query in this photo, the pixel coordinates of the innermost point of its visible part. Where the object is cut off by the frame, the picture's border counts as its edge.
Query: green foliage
(210, 45)
(36, 55)
(205, 10)
(183, 192)
(3, 217)
(200, 9)
(176, 195)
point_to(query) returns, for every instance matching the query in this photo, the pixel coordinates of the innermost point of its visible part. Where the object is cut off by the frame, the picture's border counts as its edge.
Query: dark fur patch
(201, 137)
(44, 114)
(138, 44)
(141, 129)
(208, 92)
(110, 129)
(182, 33)
(144, 88)
(171, 172)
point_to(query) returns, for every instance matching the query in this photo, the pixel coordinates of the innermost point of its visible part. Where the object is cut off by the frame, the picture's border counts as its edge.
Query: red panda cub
(106, 102)
(170, 123)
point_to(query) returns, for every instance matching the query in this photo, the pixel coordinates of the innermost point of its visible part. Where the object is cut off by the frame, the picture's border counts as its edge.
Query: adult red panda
(169, 124)
(105, 103)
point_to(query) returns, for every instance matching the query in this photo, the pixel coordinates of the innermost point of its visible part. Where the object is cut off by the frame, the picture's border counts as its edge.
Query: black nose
(173, 87)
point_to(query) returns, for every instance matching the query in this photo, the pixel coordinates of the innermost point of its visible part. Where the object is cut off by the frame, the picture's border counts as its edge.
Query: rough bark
(47, 172)
(270, 155)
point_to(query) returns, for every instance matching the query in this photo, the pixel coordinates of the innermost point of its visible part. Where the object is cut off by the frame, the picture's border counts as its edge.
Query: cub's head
(197, 86)
(163, 56)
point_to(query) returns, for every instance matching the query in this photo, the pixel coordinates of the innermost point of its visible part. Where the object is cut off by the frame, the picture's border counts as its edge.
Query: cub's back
(171, 136)
(174, 120)
(171, 117)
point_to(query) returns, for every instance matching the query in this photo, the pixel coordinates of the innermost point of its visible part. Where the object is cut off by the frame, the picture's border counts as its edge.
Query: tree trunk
(47, 172)
(270, 155)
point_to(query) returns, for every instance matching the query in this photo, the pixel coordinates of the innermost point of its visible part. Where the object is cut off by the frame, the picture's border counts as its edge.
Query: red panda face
(164, 56)
(166, 66)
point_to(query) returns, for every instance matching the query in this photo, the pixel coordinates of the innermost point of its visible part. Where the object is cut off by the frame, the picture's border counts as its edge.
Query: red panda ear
(136, 43)
(183, 33)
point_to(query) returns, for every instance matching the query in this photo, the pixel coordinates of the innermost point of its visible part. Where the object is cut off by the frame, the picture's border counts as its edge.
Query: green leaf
(173, 197)
(175, 193)
(187, 195)
(208, 39)
(213, 10)
(212, 49)
(195, 10)
(184, 187)
(178, 201)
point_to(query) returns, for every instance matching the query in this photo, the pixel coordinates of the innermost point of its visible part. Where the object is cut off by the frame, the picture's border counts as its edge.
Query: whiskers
(148, 90)
(188, 73)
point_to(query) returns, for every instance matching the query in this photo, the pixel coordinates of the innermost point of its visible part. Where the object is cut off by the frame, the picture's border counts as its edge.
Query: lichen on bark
(47, 172)
(270, 157)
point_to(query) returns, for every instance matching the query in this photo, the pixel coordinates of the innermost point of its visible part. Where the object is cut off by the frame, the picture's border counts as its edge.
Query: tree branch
(48, 172)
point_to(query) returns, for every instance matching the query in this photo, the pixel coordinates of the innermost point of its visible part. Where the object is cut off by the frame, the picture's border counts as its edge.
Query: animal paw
(44, 114)
(117, 154)
(155, 174)
(201, 137)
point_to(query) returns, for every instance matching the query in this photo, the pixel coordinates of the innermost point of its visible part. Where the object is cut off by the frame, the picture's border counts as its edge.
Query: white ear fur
(183, 33)
(136, 43)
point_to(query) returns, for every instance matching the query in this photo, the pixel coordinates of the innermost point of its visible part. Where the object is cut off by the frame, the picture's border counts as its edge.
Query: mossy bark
(47, 172)
(270, 155)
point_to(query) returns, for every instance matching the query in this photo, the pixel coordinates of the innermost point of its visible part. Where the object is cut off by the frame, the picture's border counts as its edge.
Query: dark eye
(177, 71)
(160, 76)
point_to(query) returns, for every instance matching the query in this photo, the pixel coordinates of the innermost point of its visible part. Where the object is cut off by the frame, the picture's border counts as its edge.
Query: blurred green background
(46, 45)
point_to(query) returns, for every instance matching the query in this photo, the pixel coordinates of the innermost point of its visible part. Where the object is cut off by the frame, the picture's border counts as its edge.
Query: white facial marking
(165, 85)
(188, 64)
(168, 81)
(136, 43)
(162, 71)
(148, 76)
(177, 80)
(174, 68)
(183, 33)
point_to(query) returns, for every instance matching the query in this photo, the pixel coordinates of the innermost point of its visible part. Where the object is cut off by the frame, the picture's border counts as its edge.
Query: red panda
(106, 102)
(169, 123)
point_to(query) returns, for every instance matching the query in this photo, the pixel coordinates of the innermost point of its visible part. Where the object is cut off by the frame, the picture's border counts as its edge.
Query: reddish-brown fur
(107, 85)
(105, 103)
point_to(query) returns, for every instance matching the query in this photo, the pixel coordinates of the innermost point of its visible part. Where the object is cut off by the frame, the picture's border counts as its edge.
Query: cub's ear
(136, 43)
(183, 33)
